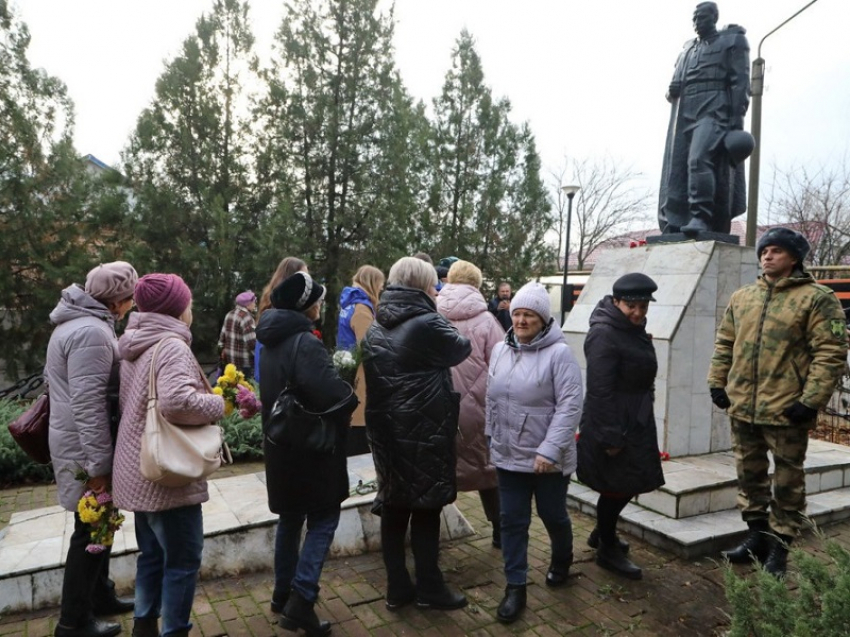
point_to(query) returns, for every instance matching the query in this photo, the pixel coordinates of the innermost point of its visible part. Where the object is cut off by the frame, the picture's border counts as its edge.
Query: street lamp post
(756, 90)
(570, 192)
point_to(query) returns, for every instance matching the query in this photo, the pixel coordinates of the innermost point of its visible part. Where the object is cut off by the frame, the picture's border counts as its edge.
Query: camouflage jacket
(777, 344)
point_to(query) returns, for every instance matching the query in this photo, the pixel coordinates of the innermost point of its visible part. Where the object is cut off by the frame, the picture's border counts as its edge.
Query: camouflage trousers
(787, 502)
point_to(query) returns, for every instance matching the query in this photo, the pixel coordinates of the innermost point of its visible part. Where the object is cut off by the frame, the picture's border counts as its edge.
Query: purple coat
(534, 402)
(466, 309)
(183, 399)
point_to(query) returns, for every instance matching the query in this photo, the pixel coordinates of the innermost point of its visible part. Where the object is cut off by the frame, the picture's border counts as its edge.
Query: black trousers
(424, 543)
(86, 578)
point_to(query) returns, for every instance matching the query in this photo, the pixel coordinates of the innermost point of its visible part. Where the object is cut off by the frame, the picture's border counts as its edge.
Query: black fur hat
(792, 241)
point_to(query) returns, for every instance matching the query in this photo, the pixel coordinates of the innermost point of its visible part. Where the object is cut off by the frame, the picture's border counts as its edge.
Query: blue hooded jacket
(350, 297)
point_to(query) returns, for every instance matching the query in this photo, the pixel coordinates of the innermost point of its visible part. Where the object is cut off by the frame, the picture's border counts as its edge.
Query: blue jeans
(301, 571)
(170, 545)
(515, 493)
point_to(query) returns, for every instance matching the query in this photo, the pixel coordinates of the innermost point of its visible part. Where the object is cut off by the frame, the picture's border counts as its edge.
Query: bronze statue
(702, 182)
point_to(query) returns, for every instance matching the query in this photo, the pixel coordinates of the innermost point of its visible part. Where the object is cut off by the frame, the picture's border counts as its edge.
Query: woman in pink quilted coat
(461, 302)
(169, 523)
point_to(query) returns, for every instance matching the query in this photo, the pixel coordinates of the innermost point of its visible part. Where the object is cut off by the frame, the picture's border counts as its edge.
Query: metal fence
(834, 419)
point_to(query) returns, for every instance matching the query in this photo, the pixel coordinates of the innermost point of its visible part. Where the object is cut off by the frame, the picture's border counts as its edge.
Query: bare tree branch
(608, 203)
(817, 201)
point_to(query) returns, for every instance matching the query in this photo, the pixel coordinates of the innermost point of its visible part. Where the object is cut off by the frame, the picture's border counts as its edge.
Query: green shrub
(244, 437)
(16, 466)
(819, 607)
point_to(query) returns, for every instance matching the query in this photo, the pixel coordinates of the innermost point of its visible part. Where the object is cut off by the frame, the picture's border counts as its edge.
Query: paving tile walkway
(676, 597)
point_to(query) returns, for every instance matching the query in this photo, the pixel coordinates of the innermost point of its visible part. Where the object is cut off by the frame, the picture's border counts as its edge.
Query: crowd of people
(451, 393)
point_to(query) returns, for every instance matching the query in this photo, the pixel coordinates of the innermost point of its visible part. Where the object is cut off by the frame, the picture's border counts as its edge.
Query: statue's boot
(701, 202)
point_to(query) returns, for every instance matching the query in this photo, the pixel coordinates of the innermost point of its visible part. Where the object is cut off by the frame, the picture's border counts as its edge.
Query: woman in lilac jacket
(169, 524)
(534, 401)
(82, 372)
(461, 302)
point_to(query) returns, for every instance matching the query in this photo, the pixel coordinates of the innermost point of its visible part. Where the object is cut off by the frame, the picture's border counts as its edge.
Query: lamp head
(570, 191)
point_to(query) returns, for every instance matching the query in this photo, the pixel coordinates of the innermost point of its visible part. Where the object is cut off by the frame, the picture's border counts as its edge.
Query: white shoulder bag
(174, 455)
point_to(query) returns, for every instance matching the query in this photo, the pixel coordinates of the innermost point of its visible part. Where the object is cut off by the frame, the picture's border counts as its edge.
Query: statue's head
(705, 18)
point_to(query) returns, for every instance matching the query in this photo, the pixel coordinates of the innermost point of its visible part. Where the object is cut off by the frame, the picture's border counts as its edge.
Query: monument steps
(695, 512)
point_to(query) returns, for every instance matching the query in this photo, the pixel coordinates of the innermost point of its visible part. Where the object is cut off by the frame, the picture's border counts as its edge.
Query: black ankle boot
(278, 602)
(299, 613)
(442, 599)
(593, 541)
(558, 573)
(755, 546)
(93, 628)
(512, 603)
(497, 536)
(611, 558)
(145, 627)
(777, 559)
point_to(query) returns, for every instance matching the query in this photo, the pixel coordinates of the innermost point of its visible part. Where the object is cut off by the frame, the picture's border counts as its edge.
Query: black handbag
(291, 423)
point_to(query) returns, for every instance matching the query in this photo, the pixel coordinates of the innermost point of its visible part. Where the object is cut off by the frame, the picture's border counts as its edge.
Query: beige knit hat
(112, 281)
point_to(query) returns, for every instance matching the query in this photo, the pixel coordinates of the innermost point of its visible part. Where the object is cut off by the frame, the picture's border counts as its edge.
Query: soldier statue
(702, 182)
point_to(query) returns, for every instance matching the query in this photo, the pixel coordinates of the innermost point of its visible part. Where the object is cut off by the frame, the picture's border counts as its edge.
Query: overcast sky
(588, 75)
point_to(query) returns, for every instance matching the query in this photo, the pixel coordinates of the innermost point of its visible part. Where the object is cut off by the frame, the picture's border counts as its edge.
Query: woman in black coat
(411, 422)
(302, 485)
(618, 445)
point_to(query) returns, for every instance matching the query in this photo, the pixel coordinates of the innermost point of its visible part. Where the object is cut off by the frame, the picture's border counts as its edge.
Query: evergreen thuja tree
(487, 202)
(188, 165)
(43, 189)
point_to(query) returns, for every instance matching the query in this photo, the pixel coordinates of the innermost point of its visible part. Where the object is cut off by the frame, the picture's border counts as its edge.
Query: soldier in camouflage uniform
(779, 353)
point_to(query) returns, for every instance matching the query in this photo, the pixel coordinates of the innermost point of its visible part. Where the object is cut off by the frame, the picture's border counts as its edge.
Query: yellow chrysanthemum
(230, 372)
(228, 408)
(89, 510)
(218, 391)
(222, 380)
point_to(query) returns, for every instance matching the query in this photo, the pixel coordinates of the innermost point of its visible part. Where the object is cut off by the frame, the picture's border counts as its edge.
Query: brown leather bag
(30, 430)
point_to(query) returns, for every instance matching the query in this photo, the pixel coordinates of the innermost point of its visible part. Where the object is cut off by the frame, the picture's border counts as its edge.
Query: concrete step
(239, 533)
(696, 485)
(695, 512)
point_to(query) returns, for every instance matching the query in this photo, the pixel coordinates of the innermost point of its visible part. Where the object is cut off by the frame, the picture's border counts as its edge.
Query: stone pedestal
(695, 281)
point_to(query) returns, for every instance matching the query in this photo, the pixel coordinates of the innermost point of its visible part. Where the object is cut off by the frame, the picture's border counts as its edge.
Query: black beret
(634, 287)
(786, 238)
(298, 292)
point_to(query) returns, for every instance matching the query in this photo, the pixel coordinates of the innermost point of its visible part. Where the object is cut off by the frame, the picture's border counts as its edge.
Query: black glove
(719, 398)
(799, 414)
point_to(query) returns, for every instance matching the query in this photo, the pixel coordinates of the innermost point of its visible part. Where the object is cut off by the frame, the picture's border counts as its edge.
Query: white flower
(343, 359)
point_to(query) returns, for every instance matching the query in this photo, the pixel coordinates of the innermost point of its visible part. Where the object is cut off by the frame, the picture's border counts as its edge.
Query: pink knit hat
(246, 298)
(162, 294)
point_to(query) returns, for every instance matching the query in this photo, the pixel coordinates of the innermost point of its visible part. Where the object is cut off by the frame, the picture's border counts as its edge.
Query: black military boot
(612, 558)
(299, 613)
(755, 546)
(593, 541)
(512, 603)
(777, 559)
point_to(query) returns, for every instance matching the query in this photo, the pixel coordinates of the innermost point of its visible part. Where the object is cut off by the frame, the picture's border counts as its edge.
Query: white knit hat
(533, 296)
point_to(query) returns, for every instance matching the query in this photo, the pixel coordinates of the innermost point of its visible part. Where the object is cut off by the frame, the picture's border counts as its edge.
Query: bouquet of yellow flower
(99, 512)
(237, 393)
